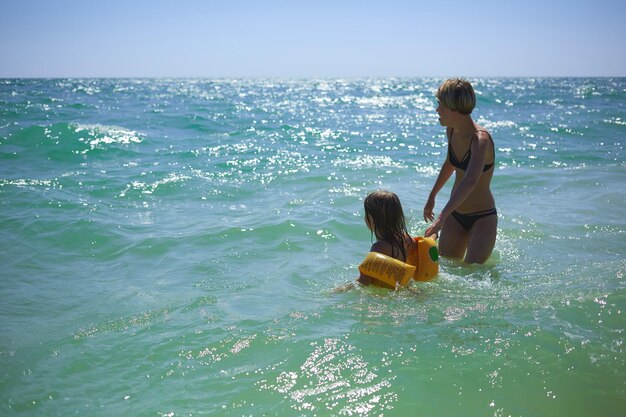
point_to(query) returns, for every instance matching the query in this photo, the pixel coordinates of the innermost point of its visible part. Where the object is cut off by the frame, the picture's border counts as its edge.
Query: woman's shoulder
(482, 133)
(482, 138)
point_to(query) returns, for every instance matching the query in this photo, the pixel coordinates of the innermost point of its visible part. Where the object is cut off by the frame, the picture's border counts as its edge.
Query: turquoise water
(171, 248)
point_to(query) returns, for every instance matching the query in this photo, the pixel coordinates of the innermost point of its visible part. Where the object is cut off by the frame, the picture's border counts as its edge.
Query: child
(385, 219)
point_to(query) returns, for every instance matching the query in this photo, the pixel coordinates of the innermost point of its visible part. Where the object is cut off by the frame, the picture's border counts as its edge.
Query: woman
(469, 220)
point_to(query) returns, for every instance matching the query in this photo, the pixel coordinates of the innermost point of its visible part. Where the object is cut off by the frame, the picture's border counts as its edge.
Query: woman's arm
(445, 173)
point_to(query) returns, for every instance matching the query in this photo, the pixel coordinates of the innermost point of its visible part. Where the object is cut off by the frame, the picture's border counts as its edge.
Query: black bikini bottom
(467, 220)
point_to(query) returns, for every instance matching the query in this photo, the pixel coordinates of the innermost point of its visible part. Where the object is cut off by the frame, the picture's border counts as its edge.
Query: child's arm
(380, 247)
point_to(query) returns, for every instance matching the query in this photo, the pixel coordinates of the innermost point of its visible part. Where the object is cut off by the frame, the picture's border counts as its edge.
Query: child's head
(457, 94)
(385, 218)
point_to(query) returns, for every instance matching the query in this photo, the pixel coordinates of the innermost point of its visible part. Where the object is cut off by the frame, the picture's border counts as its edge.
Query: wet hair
(457, 94)
(388, 222)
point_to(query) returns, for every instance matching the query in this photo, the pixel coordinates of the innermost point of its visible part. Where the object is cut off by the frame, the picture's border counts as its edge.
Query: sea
(185, 247)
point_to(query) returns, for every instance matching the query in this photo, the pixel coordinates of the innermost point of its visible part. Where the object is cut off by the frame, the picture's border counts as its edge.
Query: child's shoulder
(385, 247)
(382, 246)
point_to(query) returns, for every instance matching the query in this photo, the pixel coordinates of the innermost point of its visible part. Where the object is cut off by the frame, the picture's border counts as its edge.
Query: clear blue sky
(319, 38)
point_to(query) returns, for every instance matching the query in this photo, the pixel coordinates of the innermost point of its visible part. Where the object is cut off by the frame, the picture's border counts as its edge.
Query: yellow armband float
(427, 265)
(386, 269)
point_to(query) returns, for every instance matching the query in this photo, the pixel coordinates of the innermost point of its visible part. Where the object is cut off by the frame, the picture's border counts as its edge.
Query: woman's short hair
(457, 94)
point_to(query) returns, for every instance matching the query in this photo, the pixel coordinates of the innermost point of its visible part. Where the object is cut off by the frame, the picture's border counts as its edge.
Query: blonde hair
(457, 94)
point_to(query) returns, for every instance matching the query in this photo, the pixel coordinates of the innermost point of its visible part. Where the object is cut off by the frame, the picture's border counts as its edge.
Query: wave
(63, 142)
(92, 134)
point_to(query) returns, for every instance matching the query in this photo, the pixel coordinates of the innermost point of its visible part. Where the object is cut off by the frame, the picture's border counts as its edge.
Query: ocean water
(171, 247)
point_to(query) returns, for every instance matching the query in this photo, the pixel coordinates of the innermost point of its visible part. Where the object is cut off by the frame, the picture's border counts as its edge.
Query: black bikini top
(463, 163)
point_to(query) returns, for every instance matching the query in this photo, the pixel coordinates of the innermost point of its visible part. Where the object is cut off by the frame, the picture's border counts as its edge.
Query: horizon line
(308, 77)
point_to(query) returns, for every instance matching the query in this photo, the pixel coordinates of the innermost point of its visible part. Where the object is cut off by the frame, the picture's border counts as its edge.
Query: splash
(98, 135)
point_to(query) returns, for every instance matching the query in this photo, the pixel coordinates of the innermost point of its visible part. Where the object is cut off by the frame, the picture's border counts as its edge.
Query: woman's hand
(435, 227)
(429, 215)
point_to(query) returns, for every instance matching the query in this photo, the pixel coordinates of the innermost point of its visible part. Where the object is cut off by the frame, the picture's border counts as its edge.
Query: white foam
(105, 135)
